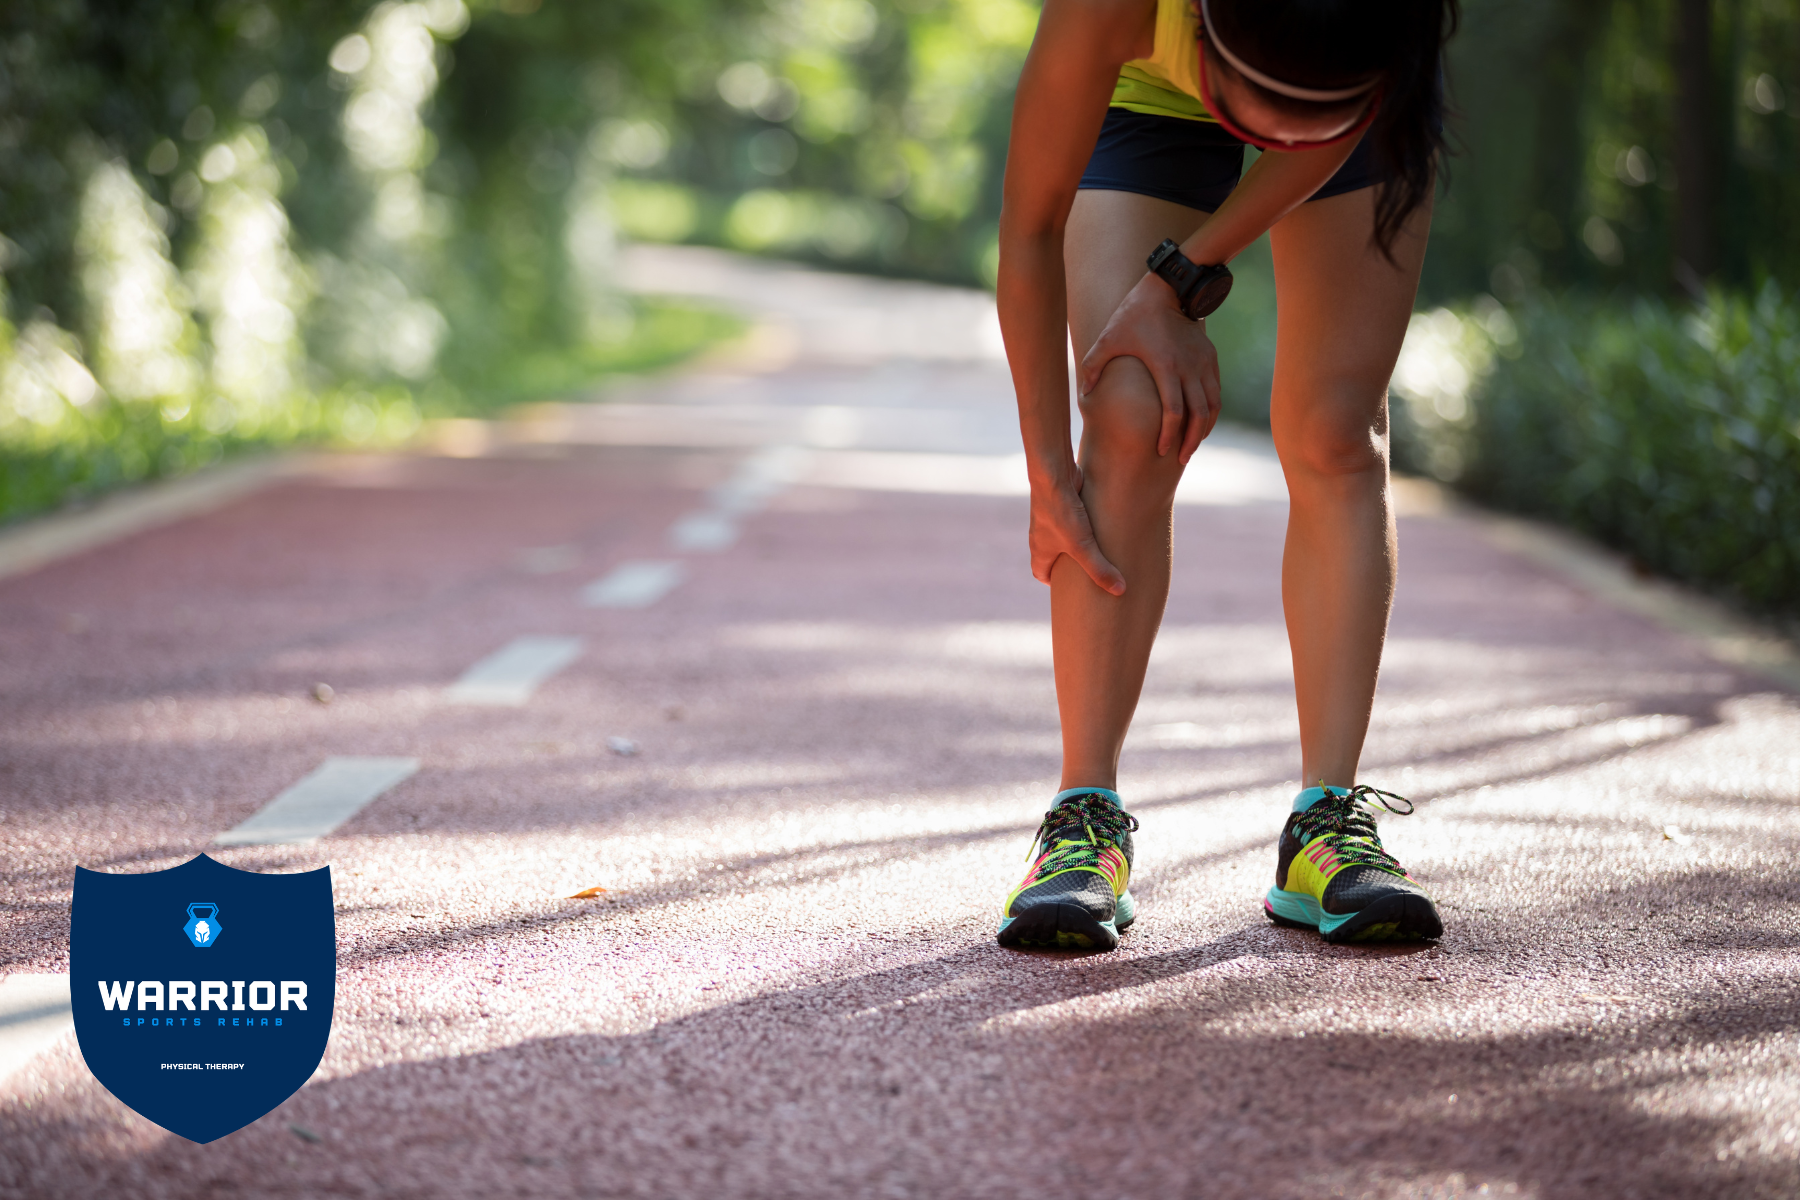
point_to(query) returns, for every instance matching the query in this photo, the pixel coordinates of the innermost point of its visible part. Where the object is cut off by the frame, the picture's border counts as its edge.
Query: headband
(1275, 85)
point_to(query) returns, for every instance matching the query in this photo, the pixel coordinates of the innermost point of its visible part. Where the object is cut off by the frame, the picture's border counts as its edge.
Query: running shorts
(1195, 163)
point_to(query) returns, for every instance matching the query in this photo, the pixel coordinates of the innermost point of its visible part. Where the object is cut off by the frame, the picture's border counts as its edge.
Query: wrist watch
(1199, 289)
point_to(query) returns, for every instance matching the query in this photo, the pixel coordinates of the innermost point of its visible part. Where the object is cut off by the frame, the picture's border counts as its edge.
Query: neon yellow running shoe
(1332, 875)
(1074, 896)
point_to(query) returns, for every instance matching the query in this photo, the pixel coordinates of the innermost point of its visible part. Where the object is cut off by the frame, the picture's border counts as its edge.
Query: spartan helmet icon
(203, 928)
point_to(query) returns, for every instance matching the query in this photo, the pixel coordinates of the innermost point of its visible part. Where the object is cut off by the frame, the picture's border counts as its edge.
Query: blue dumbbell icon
(202, 930)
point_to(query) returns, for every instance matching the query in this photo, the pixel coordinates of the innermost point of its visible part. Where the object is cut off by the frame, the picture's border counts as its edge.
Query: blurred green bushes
(1567, 121)
(1669, 431)
(1243, 330)
(860, 133)
(230, 224)
(63, 437)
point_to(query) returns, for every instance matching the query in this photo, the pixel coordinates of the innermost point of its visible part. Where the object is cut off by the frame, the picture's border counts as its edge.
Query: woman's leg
(1343, 310)
(1102, 642)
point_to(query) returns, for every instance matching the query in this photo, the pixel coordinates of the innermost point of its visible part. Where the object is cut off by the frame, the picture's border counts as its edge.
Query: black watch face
(1210, 295)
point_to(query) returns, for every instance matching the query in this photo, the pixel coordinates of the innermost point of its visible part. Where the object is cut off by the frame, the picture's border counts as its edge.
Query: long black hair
(1333, 43)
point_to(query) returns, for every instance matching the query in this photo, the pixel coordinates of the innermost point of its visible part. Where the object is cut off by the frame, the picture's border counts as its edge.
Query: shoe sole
(1058, 927)
(1063, 927)
(1399, 917)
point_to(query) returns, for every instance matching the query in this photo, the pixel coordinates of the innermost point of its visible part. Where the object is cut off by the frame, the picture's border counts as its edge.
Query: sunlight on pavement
(811, 619)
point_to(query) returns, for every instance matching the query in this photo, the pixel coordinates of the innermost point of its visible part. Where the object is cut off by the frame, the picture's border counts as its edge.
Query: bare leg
(1343, 311)
(1102, 642)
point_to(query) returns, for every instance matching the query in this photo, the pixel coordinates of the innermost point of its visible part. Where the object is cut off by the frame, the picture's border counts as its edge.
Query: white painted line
(760, 477)
(703, 533)
(510, 674)
(633, 585)
(34, 1013)
(320, 803)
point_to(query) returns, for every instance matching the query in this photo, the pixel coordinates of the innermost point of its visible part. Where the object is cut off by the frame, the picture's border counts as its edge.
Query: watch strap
(1199, 289)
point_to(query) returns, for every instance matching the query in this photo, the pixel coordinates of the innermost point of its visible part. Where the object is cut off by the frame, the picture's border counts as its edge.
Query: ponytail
(1408, 133)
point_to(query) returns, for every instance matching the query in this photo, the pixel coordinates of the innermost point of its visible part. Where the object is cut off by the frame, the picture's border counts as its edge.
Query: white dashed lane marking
(320, 803)
(760, 477)
(757, 479)
(508, 676)
(634, 584)
(34, 1013)
(703, 533)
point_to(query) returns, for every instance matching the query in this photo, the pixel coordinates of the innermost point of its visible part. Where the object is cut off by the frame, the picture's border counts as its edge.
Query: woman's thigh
(1109, 236)
(1343, 309)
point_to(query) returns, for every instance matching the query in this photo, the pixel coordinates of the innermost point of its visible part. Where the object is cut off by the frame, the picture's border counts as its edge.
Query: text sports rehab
(258, 996)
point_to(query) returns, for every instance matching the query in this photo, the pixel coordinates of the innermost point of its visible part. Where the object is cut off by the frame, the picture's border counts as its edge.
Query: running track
(834, 668)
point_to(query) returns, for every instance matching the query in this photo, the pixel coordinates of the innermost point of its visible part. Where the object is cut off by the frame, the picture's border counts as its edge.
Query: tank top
(1167, 84)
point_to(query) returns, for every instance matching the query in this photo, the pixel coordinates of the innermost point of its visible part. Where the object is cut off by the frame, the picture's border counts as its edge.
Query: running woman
(1129, 128)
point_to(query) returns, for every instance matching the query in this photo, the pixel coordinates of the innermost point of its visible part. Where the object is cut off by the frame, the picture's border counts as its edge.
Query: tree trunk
(1697, 156)
(1567, 63)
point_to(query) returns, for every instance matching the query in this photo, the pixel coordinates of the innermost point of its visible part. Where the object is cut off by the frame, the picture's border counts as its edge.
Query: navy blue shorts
(1195, 163)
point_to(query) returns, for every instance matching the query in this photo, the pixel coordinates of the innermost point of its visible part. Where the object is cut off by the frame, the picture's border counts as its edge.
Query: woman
(1128, 128)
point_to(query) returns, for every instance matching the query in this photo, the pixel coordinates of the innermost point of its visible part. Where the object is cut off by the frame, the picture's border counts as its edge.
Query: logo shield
(203, 994)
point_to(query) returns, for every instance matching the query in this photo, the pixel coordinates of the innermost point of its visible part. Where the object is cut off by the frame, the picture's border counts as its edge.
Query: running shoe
(1332, 875)
(1074, 896)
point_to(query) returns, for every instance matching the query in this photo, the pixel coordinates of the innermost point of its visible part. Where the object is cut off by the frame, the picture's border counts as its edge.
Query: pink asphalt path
(847, 735)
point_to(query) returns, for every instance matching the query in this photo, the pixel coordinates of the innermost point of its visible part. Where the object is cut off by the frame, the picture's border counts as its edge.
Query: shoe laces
(1349, 820)
(1094, 815)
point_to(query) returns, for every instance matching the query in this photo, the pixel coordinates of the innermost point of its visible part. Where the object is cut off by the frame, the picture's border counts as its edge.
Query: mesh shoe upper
(1337, 835)
(1355, 888)
(1082, 856)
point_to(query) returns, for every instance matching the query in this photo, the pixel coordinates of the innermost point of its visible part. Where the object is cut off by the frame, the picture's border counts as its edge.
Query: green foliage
(82, 81)
(1674, 435)
(87, 449)
(1566, 123)
(231, 224)
(863, 133)
(1243, 330)
(63, 438)
(652, 334)
(888, 118)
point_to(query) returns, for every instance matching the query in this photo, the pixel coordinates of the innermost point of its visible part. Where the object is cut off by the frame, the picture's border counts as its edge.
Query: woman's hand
(1149, 326)
(1059, 526)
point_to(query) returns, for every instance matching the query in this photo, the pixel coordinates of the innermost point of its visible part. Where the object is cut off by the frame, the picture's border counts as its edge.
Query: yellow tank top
(1167, 84)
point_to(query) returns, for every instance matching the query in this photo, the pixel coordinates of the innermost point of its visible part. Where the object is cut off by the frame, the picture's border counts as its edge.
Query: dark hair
(1337, 43)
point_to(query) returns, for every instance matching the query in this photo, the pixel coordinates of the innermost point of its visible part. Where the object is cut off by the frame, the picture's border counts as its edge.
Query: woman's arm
(1148, 323)
(1275, 185)
(1061, 101)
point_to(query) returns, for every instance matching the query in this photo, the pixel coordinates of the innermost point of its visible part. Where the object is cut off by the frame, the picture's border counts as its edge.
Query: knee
(1121, 418)
(1344, 442)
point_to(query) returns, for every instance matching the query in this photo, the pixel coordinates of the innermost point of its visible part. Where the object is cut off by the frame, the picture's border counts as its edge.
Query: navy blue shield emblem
(203, 994)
